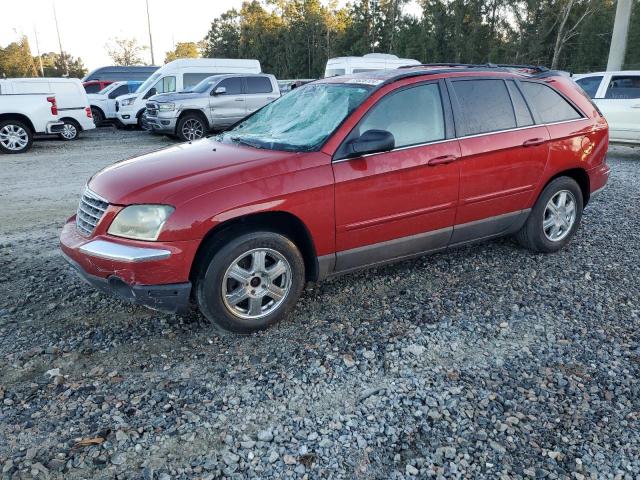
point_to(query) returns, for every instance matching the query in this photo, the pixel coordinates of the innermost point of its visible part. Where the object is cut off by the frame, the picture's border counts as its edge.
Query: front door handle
(532, 142)
(637, 105)
(239, 99)
(442, 160)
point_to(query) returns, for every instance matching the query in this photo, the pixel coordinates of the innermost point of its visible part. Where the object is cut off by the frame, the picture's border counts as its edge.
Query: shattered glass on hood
(301, 120)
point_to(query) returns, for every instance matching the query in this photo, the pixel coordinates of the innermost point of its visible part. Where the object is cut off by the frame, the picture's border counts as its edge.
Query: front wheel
(555, 217)
(15, 137)
(190, 127)
(251, 282)
(70, 131)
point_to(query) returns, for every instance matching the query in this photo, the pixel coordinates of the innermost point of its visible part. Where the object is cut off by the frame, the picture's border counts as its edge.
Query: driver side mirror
(151, 93)
(220, 91)
(371, 141)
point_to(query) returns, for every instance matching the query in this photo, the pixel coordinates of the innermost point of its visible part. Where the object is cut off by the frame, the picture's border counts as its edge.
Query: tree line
(294, 38)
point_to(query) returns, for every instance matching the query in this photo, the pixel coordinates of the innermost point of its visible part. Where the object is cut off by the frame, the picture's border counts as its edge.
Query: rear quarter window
(549, 104)
(258, 85)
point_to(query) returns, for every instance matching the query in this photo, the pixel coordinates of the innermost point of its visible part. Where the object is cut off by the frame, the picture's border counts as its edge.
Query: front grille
(152, 109)
(90, 211)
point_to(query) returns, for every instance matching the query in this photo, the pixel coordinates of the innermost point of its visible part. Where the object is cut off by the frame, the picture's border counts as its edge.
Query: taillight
(54, 105)
(88, 110)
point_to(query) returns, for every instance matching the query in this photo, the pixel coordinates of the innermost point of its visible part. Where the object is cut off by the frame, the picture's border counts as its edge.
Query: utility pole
(153, 61)
(62, 58)
(618, 46)
(38, 51)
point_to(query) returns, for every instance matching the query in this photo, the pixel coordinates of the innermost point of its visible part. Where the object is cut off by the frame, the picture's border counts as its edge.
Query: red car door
(400, 202)
(503, 156)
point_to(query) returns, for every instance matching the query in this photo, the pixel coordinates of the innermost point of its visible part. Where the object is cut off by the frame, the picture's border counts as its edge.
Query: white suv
(617, 95)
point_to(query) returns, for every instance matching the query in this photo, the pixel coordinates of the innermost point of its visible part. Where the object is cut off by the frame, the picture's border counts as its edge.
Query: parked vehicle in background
(215, 103)
(340, 174)
(24, 115)
(116, 73)
(176, 76)
(73, 104)
(367, 63)
(617, 95)
(288, 85)
(103, 104)
(95, 86)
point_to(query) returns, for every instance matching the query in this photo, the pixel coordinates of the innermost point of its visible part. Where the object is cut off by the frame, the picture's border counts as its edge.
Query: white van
(367, 63)
(177, 76)
(73, 104)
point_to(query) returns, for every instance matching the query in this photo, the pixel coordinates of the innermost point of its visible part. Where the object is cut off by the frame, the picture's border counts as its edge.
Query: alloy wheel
(69, 131)
(256, 283)
(192, 129)
(14, 137)
(559, 215)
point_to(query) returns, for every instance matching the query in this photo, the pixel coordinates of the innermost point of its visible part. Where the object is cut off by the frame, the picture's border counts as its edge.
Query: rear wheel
(555, 217)
(70, 130)
(251, 282)
(98, 116)
(15, 137)
(191, 127)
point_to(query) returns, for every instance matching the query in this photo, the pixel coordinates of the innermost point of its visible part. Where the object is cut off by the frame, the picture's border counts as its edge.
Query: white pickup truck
(24, 115)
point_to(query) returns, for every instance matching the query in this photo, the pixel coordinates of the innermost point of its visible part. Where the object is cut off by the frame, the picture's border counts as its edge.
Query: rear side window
(233, 85)
(485, 105)
(590, 85)
(523, 115)
(548, 103)
(258, 85)
(413, 116)
(624, 87)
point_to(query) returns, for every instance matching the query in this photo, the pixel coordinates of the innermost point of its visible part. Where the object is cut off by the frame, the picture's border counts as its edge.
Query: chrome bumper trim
(123, 253)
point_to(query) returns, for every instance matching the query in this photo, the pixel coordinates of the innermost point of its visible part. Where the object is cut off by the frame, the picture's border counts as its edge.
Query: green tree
(56, 65)
(183, 50)
(16, 60)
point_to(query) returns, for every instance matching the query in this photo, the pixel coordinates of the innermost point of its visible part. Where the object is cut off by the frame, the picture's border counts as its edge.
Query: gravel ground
(484, 362)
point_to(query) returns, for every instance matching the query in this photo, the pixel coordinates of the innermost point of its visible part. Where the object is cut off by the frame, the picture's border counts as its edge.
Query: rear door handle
(637, 105)
(239, 99)
(532, 142)
(442, 160)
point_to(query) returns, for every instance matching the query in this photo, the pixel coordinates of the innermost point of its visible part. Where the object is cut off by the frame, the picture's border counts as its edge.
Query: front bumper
(160, 124)
(127, 116)
(152, 274)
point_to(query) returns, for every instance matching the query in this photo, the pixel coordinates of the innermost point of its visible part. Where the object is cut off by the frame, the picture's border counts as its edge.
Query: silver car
(215, 103)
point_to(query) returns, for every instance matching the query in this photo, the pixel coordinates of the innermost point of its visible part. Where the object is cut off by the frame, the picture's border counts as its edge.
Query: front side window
(300, 121)
(590, 85)
(485, 106)
(548, 103)
(233, 85)
(624, 87)
(413, 116)
(258, 85)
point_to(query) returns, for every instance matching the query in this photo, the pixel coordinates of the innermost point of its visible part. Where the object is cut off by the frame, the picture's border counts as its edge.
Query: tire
(247, 306)
(191, 127)
(71, 130)
(546, 231)
(98, 116)
(15, 137)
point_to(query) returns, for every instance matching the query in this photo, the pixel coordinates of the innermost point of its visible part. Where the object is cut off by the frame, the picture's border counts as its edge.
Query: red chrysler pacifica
(340, 174)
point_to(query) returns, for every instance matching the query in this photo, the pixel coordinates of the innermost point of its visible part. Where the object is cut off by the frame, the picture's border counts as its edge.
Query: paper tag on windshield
(365, 81)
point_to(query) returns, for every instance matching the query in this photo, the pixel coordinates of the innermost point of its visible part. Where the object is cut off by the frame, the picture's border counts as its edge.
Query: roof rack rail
(479, 65)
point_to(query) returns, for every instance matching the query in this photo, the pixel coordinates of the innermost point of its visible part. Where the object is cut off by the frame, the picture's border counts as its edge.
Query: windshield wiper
(242, 141)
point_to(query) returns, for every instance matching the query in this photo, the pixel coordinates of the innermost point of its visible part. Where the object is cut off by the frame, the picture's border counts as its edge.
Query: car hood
(174, 97)
(176, 174)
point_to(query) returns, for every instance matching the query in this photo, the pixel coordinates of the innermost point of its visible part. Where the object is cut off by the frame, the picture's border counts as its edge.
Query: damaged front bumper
(156, 277)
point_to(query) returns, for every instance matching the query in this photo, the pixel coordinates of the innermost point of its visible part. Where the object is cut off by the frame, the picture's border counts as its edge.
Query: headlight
(166, 107)
(140, 222)
(127, 101)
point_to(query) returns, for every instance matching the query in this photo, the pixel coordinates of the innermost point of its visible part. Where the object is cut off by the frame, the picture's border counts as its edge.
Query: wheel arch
(193, 111)
(281, 222)
(95, 107)
(20, 117)
(581, 177)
